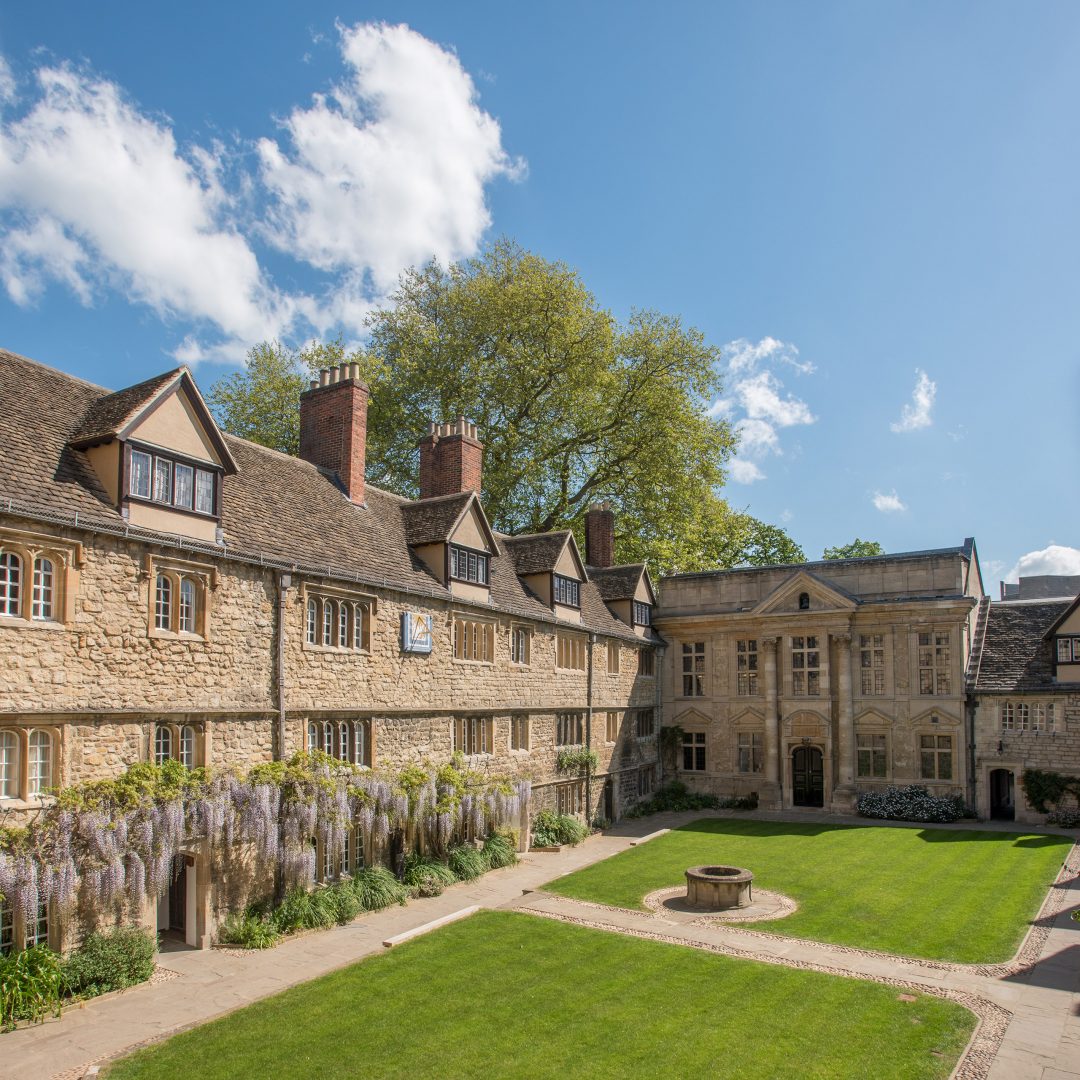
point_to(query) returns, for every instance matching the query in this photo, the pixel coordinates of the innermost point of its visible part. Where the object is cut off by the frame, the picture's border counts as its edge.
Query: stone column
(769, 646)
(844, 793)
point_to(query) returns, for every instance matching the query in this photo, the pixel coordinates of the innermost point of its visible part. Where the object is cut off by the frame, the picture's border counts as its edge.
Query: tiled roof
(536, 553)
(617, 582)
(276, 508)
(430, 521)
(111, 413)
(1015, 654)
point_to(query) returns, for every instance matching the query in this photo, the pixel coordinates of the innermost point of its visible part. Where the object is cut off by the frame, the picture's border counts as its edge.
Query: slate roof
(112, 413)
(430, 521)
(536, 553)
(1015, 652)
(616, 582)
(276, 508)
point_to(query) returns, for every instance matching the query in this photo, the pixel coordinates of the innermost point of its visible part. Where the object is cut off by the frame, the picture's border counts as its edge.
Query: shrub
(110, 961)
(467, 862)
(342, 900)
(1066, 816)
(426, 877)
(552, 830)
(376, 888)
(31, 984)
(913, 803)
(303, 910)
(249, 930)
(500, 850)
(675, 798)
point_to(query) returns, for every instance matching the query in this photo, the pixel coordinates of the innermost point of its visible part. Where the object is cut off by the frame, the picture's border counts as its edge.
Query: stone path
(1030, 1010)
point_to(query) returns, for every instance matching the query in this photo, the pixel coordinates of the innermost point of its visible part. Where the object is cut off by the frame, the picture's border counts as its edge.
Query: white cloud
(1053, 559)
(757, 402)
(102, 195)
(888, 503)
(916, 413)
(389, 168)
(385, 171)
(7, 83)
(744, 472)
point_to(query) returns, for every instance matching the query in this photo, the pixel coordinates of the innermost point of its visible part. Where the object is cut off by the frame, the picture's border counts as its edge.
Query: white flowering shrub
(913, 803)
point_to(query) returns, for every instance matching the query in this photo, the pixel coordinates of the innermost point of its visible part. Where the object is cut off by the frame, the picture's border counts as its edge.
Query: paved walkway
(1031, 1017)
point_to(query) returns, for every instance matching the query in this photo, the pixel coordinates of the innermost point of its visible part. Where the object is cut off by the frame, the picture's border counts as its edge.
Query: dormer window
(642, 614)
(468, 565)
(181, 485)
(567, 591)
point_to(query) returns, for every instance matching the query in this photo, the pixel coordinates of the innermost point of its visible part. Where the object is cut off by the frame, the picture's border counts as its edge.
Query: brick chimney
(600, 535)
(451, 460)
(333, 426)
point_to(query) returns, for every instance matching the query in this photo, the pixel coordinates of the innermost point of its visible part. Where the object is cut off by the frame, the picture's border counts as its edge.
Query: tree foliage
(857, 549)
(573, 407)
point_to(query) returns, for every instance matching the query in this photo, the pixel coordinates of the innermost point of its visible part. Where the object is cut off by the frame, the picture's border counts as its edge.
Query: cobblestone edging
(1056, 901)
(782, 907)
(974, 1063)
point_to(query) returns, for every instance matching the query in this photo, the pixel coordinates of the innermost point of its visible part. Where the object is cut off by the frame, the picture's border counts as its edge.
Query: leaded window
(163, 744)
(749, 745)
(474, 640)
(642, 613)
(569, 728)
(693, 751)
(872, 664)
(934, 658)
(570, 652)
(187, 746)
(520, 644)
(872, 759)
(186, 622)
(9, 765)
(7, 927)
(645, 723)
(328, 623)
(42, 607)
(693, 668)
(567, 591)
(613, 652)
(39, 760)
(311, 624)
(163, 603)
(936, 757)
(519, 733)
(746, 665)
(472, 735)
(11, 568)
(466, 565)
(182, 493)
(805, 666)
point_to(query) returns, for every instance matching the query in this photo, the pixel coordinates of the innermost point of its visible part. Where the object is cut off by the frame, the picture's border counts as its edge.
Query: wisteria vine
(112, 843)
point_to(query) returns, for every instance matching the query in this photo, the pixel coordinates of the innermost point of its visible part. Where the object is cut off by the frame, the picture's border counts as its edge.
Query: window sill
(35, 802)
(474, 663)
(341, 650)
(172, 635)
(31, 624)
(520, 751)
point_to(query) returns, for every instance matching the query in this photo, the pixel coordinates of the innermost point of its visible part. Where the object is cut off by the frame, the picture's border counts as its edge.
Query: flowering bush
(112, 843)
(1066, 816)
(913, 803)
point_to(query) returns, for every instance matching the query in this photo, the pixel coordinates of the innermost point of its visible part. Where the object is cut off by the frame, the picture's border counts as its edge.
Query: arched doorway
(807, 777)
(1002, 806)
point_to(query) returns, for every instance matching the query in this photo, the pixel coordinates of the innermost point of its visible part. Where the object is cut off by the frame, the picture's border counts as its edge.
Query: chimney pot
(451, 459)
(333, 428)
(324, 377)
(600, 535)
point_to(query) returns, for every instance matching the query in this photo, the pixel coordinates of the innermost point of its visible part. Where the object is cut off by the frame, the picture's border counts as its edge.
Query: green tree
(572, 406)
(857, 549)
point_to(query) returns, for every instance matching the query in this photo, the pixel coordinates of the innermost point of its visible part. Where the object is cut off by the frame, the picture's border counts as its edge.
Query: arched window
(360, 743)
(346, 853)
(43, 589)
(7, 928)
(37, 931)
(187, 606)
(162, 744)
(328, 738)
(343, 742)
(9, 765)
(312, 737)
(804, 601)
(11, 577)
(163, 603)
(328, 622)
(358, 626)
(312, 622)
(343, 625)
(40, 762)
(187, 746)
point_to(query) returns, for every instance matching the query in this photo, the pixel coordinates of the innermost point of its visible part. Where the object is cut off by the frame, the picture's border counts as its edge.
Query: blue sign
(415, 632)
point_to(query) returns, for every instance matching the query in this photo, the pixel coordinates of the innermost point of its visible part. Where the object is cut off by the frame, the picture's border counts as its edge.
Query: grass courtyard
(938, 894)
(505, 994)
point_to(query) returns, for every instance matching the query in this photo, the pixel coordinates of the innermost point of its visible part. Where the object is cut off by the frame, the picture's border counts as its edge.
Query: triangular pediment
(872, 718)
(472, 529)
(785, 598)
(748, 717)
(926, 717)
(691, 718)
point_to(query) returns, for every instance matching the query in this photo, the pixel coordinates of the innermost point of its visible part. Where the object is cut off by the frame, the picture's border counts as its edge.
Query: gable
(784, 599)
(1069, 622)
(472, 530)
(569, 563)
(692, 718)
(643, 592)
(172, 424)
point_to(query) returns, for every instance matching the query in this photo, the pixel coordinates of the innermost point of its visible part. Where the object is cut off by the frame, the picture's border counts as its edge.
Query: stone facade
(806, 685)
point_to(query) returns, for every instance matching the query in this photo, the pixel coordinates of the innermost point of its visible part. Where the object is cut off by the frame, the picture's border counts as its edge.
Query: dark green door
(807, 777)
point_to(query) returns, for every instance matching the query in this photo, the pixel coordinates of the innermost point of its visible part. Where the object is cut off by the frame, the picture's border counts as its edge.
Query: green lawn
(507, 995)
(936, 893)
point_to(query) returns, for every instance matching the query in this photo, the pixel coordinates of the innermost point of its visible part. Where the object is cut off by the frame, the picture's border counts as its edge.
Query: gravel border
(782, 907)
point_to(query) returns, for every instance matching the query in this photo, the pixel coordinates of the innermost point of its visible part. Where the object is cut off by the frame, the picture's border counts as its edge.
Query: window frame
(747, 670)
(327, 611)
(520, 734)
(169, 460)
(750, 752)
(646, 663)
(694, 751)
(169, 621)
(23, 601)
(570, 728)
(645, 723)
(944, 748)
(11, 778)
(520, 645)
(1072, 642)
(473, 558)
(473, 736)
(873, 664)
(938, 671)
(694, 668)
(871, 747)
(813, 682)
(563, 587)
(472, 641)
(642, 613)
(614, 658)
(569, 649)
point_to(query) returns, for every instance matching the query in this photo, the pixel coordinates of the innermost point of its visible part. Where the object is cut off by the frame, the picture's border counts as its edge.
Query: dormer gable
(159, 454)
(804, 591)
(1063, 635)
(628, 593)
(551, 567)
(451, 536)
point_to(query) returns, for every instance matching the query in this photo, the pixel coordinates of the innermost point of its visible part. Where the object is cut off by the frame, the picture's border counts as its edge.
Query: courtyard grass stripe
(508, 995)
(937, 894)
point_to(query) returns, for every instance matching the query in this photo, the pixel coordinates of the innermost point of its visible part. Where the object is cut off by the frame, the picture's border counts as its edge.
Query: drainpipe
(588, 730)
(284, 584)
(658, 667)
(969, 715)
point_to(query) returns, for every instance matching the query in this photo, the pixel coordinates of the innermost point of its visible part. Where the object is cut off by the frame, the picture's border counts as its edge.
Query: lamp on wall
(1001, 747)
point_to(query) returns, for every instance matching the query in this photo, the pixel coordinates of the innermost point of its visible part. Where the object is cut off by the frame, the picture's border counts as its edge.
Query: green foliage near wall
(577, 759)
(1044, 790)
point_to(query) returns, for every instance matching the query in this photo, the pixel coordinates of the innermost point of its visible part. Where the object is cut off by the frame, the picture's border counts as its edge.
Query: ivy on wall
(1044, 790)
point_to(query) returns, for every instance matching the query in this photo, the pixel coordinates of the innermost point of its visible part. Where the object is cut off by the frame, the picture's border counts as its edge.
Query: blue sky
(872, 207)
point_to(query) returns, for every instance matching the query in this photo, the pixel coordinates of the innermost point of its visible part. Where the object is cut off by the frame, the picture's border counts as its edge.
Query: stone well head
(714, 888)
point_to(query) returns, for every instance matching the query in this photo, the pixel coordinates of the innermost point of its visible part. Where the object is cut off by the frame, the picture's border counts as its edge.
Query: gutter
(284, 584)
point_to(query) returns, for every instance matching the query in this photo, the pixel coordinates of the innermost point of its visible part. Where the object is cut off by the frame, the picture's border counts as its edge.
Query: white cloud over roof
(916, 413)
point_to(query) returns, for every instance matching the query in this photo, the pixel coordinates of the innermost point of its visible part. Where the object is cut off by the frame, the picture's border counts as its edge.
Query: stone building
(170, 591)
(808, 684)
(1025, 695)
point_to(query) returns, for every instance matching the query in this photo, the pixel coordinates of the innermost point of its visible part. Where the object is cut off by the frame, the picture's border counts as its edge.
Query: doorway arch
(807, 776)
(1002, 795)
